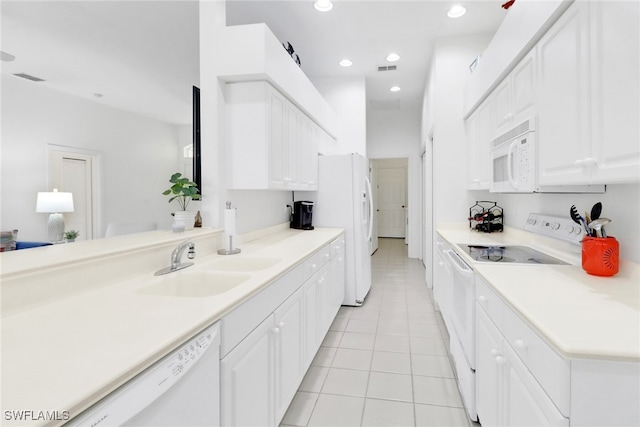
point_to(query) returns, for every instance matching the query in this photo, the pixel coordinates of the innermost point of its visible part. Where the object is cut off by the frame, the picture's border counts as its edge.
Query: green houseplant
(71, 235)
(183, 190)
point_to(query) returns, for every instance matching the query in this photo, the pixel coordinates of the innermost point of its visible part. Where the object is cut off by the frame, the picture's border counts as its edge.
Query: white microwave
(513, 160)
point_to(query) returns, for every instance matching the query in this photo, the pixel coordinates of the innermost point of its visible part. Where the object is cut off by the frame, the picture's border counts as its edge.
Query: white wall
(451, 61)
(348, 99)
(396, 134)
(138, 155)
(621, 204)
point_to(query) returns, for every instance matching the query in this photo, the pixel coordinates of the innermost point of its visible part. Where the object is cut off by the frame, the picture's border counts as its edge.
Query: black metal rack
(486, 216)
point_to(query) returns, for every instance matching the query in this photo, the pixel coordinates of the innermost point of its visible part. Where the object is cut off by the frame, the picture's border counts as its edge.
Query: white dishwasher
(182, 389)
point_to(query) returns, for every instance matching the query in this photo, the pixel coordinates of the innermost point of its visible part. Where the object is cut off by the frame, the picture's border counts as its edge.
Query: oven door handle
(458, 263)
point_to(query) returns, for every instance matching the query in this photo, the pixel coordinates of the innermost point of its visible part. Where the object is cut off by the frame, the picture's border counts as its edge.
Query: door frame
(55, 152)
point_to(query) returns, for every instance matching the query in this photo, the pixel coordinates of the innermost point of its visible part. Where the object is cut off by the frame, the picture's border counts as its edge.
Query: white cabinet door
(525, 402)
(489, 361)
(503, 110)
(564, 137)
(324, 304)
(480, 131)
(278, 127)
(615, 61)
(523, 88)
(270, 141)
(247, 380)
(289, 369)
(311, 338)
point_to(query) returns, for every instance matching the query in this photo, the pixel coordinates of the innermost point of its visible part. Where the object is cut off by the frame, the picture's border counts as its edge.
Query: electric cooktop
(507, 253)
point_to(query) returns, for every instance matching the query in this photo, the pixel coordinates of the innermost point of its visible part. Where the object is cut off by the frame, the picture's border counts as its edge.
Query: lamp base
(56, 227)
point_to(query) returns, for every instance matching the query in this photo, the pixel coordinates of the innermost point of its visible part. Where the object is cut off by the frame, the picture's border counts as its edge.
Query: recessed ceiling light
(323, 5)
(395, 88)
(393, 57)
(346, 63)
(456, 11)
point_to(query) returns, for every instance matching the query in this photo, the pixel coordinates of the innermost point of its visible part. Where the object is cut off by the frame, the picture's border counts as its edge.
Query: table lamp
(55, 203)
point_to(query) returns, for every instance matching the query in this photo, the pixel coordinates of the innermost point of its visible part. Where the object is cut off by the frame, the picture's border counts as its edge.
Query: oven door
(463, 307)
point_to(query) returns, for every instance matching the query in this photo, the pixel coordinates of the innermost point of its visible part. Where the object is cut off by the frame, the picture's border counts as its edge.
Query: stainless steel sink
(243, 263)
(195, 283)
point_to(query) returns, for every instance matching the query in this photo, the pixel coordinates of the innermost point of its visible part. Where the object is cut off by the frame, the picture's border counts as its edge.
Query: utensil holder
(600, 255)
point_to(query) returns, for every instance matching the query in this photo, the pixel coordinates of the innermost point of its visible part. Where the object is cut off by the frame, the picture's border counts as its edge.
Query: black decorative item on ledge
(486, 216)
(289, 48)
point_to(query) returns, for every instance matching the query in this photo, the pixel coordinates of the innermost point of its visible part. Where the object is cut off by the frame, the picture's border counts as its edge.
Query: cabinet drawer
(547, 366)
(312, 265)
(337, 246)
(489, 300)
(236, 325)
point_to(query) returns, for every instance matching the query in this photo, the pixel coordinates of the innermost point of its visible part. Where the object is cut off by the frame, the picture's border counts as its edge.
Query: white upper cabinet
(563, 102)
(514, 97)
(615, 61)
(272, 143)
(589, 96)
(480, 127)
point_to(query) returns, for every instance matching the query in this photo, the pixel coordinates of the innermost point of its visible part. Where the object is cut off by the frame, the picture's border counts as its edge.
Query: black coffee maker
(302, 215)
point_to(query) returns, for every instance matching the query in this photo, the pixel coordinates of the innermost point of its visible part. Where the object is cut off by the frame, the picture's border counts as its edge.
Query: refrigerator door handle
(370, 193)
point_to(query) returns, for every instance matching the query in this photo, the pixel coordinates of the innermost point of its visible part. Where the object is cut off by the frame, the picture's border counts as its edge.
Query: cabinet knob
(495, 352)
(276, 330)
(590, 162)
(520, 344)
(579, 163)
(281, 324)
(482, 299)
(499, 360)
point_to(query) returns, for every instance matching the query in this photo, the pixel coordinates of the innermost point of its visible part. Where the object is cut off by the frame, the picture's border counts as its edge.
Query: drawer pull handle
(482, 299)
(520, 344)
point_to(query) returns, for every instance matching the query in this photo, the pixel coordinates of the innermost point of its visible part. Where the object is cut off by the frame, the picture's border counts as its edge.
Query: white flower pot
(188, 218)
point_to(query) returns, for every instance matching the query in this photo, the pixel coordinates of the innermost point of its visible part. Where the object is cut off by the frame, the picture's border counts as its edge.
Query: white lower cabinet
(507, 393)
(289, 348)
(247, 380)
(262, 368)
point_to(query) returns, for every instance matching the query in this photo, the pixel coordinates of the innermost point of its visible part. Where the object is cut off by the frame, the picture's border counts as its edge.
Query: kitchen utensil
(596, 210)
(587, 217)
(578, 219)
(597, 225)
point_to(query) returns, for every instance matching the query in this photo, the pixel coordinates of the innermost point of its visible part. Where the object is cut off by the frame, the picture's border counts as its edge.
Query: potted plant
(71, 235)
(183, 190)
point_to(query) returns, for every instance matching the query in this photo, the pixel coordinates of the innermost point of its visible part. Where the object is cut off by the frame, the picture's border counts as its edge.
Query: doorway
(76, 171)
(391, 205)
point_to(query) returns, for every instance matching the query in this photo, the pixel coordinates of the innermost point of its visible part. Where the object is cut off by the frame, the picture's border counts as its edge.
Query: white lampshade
(54, 202)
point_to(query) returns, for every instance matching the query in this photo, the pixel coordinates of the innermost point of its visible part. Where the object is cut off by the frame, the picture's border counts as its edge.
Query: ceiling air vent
(388, 68)
(29, 77)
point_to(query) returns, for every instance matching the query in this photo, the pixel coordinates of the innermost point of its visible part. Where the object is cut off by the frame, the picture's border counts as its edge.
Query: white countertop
(70, 353)
(580, 315)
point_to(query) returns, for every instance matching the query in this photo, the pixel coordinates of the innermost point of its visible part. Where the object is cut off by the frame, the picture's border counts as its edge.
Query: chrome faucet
(176, 257)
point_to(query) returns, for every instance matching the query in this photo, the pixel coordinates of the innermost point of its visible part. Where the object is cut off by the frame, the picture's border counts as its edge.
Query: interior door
(74, 173)
(392, 193)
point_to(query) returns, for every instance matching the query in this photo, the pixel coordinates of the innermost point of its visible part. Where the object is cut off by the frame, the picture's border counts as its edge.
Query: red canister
(600, 255)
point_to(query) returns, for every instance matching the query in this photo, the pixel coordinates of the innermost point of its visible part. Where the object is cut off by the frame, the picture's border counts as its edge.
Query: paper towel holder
(231, 250)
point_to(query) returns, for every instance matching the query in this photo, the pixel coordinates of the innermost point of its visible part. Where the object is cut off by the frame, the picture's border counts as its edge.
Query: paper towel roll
(230, 222)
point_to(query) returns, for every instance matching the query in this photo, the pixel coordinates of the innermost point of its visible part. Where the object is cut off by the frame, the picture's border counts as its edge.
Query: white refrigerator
(344, 200)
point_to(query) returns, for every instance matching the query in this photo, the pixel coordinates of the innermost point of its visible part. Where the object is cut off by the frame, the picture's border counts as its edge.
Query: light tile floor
(385, 363)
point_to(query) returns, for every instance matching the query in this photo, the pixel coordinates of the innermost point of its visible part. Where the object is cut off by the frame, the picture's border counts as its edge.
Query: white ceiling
(143, 56)
(366, 32)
